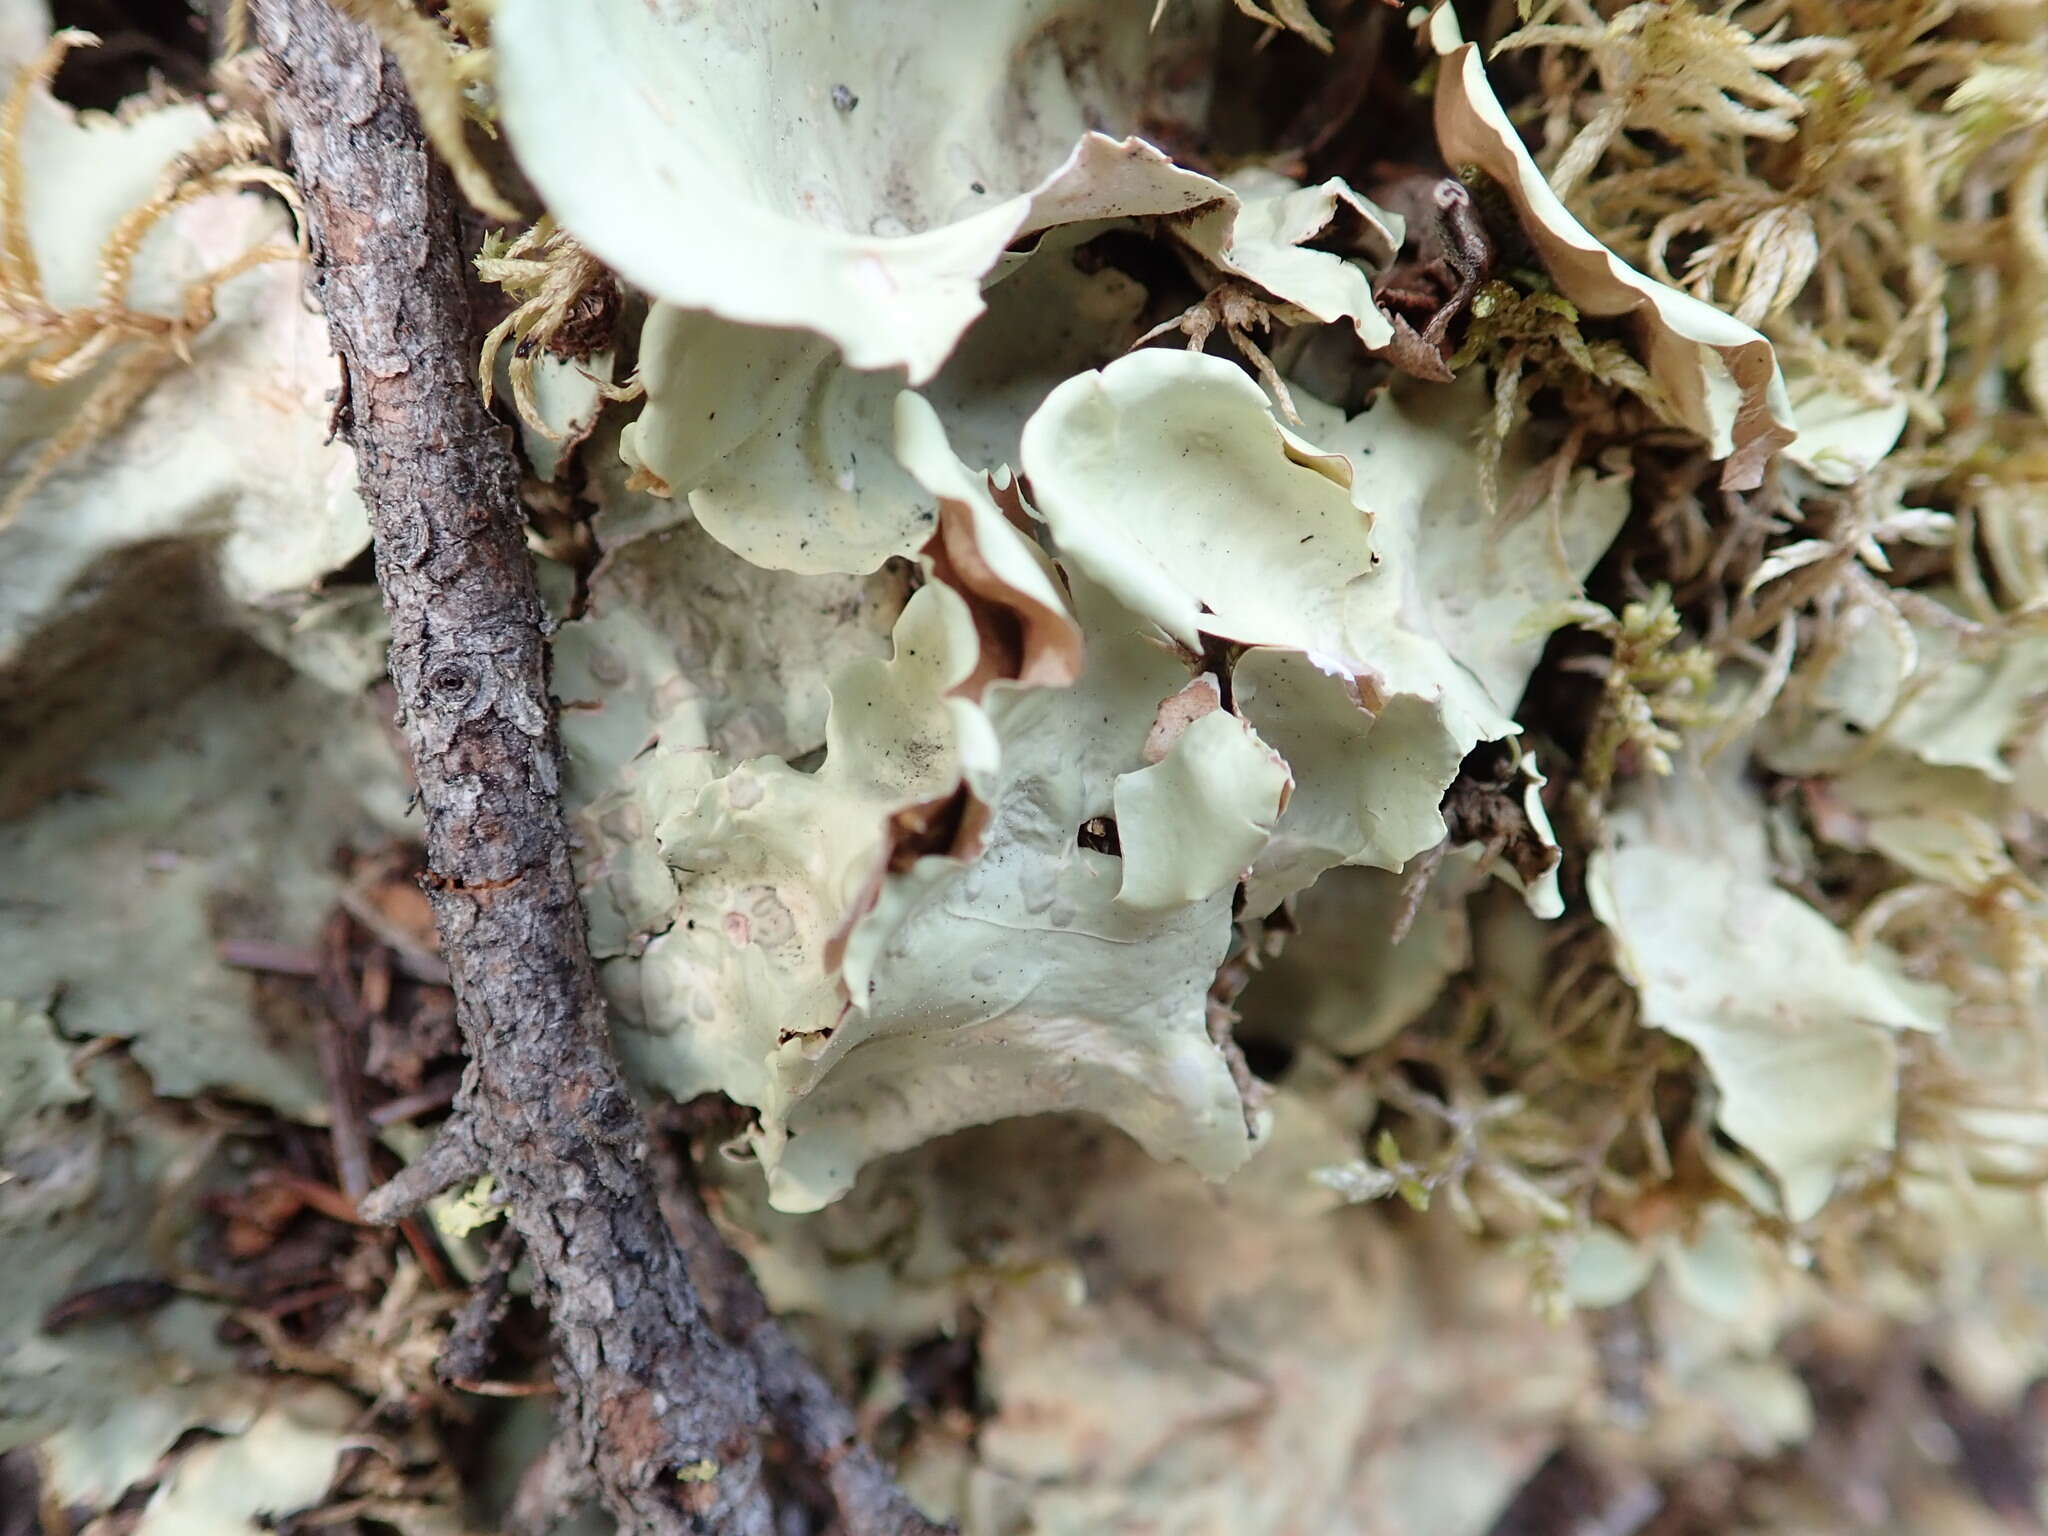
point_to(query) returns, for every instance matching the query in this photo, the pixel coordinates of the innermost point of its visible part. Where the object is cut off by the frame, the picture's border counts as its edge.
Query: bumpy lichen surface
(1352, 934)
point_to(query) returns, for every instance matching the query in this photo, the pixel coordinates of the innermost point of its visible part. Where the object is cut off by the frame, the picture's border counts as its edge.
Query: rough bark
(666, 1410)
(801, 1403)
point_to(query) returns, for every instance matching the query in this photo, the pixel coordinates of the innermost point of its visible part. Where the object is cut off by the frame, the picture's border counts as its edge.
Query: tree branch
(805, 1410)
(451, 1158)
(666, 1410)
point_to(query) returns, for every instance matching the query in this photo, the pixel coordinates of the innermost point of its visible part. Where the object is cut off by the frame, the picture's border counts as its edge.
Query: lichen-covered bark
(667, 1411)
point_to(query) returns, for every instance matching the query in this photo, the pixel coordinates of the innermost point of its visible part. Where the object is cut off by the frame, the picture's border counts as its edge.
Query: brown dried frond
(130, 349)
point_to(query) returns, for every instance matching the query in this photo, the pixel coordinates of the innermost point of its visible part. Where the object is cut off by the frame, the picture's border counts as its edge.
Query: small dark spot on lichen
(1100, 834)
(844, 99)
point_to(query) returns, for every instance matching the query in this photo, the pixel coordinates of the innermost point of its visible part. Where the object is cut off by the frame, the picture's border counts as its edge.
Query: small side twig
(422, 964)
(337, 1039)
(466, 1359)
(452, 1158)
(276, 959)
(438, 1093)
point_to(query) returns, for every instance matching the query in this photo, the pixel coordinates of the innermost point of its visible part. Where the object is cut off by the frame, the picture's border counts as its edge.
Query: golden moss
(559, 287)
(124, 350)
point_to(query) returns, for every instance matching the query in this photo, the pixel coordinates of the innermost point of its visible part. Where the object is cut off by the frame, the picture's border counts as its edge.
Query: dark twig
(337, 1035)
(805, 1410)
(344, 1112)
(302, 960)
(421, 964)
(467, 1357)
(423, 1249)
(665, 1410)
(268, 956)
(453, 1157)
(436, 1094)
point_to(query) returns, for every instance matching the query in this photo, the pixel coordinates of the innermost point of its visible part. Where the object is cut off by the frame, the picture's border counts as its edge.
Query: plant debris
(1308, 749)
